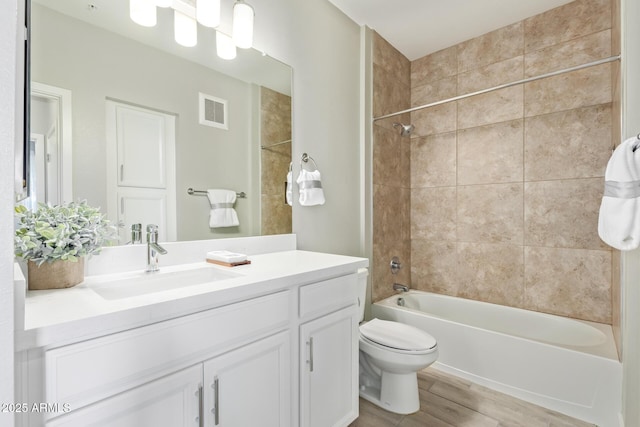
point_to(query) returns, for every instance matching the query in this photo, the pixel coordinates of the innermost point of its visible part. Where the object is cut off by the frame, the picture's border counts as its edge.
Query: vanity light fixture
(143, 12)
(185, 29)
(243, 24)
(225, 47)
(208, 12)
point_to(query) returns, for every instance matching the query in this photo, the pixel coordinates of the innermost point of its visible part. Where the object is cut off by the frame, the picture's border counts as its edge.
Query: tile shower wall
(275, 128)
(504, 187)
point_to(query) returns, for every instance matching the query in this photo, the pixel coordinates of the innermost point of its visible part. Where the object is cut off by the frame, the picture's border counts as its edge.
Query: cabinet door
(171, 401)
(329, 369)
(143, 206)
(250, 386)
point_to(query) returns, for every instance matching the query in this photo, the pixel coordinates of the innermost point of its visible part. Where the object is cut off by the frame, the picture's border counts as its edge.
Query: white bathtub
(562, 364)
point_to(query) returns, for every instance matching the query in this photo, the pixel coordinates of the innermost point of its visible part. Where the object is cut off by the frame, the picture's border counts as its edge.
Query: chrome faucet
(153, 248)
(400, 287)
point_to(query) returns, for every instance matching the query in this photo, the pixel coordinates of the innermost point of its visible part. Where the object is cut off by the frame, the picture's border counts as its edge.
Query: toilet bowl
(391, 354)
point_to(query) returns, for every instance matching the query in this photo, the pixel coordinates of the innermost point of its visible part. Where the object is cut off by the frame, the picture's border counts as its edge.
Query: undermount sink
(142, 283)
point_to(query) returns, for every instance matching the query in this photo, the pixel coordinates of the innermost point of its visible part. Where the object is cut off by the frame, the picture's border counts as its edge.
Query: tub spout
(400, 287)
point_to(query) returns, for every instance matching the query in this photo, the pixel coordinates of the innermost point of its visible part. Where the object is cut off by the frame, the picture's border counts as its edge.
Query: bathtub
(559, 363)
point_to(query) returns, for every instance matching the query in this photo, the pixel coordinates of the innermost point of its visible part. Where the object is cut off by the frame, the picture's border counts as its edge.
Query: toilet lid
(397, 335)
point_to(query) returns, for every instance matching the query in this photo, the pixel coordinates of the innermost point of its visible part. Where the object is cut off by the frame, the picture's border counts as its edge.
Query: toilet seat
(398, 337)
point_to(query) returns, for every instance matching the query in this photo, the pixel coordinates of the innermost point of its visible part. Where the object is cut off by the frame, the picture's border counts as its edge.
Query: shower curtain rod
(502, 86)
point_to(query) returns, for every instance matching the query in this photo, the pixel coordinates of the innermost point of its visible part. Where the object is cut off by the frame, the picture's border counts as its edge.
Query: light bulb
(143, 12)
(225, 47)
(164, 3)
(243, 24)
(185, 29)
(208, 12)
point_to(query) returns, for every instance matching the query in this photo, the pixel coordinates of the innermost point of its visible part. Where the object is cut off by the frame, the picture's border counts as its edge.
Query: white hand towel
(310, 186)
(619, 220)
(289, 190)
(222, 213)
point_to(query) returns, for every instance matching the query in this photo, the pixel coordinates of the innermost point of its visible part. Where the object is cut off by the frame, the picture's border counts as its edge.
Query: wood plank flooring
(449, 401)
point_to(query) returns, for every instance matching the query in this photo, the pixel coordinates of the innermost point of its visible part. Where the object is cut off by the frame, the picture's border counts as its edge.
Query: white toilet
(391, 354)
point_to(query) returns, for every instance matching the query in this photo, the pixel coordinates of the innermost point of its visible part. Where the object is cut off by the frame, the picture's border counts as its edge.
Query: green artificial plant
(61, 232)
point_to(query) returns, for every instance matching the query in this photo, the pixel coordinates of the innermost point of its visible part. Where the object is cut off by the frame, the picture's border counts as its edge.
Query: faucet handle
(152, 233)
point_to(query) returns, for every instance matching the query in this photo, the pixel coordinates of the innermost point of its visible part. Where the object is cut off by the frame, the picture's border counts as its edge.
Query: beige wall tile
(276, 217)
(490, 213)
(491, 154)
(492, 272)
(392, 95)
(616, 33)
(493, 107)
(563, 213)
(390, 59)
(589, 86)
(433, 161)
(568, 54)
(433, 213)
(569, 282)
(389, 219)
(434, 91)
(492, 47)
(435, 66)
(568, 144)
(573, 20)
(434, 120)
(387, 157)
(495, 74)
(434, 266)
(381, 278)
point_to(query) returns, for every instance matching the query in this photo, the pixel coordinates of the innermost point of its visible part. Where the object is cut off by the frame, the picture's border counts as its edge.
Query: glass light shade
(185, 29)
(225, 47)
(208, 12)
(243, 24)
(164, 3)
(143, 12)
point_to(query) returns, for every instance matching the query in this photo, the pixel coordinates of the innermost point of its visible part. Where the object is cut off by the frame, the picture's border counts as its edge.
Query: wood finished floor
(449, 401)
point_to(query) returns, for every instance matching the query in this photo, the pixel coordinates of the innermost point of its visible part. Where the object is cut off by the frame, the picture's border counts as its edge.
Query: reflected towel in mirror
(222, 213)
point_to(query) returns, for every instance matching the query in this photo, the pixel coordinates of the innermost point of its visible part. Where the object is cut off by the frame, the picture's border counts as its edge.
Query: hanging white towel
(289, 189)
(310, 186)
(222, 213)
(619, 220)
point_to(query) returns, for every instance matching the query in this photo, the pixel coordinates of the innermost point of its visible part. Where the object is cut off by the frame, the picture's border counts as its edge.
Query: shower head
(405, 130)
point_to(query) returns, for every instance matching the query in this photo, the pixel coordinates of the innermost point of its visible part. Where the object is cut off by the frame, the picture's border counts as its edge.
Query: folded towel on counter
(222, 213)
(310, 186)
(619, 219)
(289, 189)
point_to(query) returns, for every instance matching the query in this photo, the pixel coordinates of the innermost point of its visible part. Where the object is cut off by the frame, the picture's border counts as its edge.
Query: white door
(329, 370)
(171, 401)
(250, 386)
(141, 168)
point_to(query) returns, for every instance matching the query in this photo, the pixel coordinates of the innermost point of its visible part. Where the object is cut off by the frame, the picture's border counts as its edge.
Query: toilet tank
(362, 290)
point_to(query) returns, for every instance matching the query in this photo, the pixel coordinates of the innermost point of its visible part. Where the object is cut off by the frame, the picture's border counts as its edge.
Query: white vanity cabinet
(329, 352)
(171, 401)
(281, 353)
(250, 386)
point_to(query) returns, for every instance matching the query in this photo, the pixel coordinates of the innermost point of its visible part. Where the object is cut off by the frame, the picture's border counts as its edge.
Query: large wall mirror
(127, 119)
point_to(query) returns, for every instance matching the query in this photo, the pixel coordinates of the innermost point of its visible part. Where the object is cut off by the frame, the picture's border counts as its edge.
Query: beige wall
(506, 186)
(275, 128)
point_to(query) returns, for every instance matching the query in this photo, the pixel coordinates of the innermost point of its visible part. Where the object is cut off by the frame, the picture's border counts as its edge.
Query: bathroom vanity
(273, 343)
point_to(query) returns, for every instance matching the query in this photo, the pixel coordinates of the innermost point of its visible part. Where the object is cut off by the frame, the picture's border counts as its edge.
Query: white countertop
(61, 316)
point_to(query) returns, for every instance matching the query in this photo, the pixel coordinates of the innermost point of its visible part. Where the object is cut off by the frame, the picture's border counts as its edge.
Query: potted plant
(55, 239)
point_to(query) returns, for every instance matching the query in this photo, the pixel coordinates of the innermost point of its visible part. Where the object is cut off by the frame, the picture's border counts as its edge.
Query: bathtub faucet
(399, 287)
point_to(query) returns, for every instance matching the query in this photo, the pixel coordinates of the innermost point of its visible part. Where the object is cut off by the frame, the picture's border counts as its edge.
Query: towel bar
(305, 158)
(191, 191)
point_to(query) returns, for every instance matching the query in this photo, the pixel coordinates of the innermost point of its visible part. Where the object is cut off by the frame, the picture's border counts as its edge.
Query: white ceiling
(420, 27)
